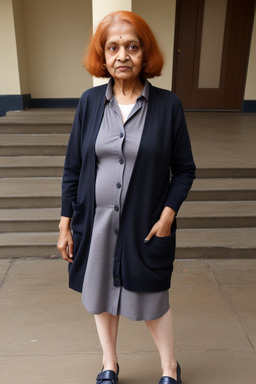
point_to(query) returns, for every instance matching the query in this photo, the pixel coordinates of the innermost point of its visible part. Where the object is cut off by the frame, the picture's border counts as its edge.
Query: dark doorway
(211, 51)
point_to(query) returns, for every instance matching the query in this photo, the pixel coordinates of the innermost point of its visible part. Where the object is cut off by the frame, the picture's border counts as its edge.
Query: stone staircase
(32, 149)
(218, 219)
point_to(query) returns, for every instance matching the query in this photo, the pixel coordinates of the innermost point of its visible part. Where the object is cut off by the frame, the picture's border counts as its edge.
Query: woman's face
(123, 52)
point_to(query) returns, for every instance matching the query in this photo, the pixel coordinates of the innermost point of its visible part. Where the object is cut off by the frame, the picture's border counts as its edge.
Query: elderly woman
(127, 139)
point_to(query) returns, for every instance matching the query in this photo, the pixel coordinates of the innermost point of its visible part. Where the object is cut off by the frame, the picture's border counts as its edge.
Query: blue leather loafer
(170, 380)
(108, 377)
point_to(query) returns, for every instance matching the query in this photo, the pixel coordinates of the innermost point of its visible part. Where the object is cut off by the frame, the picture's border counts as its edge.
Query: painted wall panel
(250, 89)
(9, 71)
(56, 34)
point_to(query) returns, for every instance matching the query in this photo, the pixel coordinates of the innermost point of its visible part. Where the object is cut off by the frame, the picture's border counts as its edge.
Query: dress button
(116, 208)
(116, 279)
(117, 258)
(118, 185)
(121, 161)
(121, 135)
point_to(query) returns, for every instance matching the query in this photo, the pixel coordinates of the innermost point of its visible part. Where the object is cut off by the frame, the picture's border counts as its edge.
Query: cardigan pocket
(160, 251)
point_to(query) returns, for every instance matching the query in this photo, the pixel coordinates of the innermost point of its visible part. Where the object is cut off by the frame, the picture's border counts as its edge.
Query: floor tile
(234, 271)
(4, 267)
(203, 320)
(192, 272)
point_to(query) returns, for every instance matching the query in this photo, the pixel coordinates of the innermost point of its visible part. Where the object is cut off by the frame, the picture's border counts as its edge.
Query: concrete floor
(46, 336)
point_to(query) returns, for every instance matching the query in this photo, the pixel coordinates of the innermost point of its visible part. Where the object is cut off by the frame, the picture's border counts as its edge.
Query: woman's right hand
(65, 242)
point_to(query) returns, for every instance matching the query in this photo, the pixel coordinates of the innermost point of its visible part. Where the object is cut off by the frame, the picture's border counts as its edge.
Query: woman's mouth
(123, 68)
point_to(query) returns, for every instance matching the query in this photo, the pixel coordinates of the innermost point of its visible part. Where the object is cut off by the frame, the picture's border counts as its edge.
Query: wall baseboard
(20, 102)
(54, 103)
(13, 103)
(249, 106)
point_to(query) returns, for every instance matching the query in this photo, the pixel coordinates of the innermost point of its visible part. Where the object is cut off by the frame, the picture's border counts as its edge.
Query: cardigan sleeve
(182, 163)
(72, 165)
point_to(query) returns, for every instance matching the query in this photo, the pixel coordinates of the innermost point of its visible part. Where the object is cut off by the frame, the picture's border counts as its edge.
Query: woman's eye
(112, 48)
(132, 47)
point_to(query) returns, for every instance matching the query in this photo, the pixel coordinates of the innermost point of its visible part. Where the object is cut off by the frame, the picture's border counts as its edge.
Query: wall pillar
(11, 97)
(101, 9)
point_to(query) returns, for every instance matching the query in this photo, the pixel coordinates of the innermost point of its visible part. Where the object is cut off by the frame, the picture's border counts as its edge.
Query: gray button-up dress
(116, 150)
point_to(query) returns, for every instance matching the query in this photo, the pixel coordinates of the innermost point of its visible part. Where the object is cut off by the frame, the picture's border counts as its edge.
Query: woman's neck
(127, 92)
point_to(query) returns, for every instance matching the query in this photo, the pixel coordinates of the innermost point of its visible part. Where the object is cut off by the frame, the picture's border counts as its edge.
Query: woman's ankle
(110, 365)
(170, 370)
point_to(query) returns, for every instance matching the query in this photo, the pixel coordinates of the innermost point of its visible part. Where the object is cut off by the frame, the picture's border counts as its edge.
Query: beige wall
(56, 33)
(250, 89)
(9, 71)
(160, 15)
(102, 8)
(42, 44)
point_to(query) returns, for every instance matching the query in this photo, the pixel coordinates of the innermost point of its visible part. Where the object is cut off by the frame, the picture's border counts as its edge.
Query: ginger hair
(94, 59)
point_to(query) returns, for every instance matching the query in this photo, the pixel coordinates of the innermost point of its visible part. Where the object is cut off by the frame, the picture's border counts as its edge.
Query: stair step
(193, 243)
(191, 215)
(37, 144)
(20, 189)
(32, 128)
(28, 192)
(223, 189)
(216, 243)
(29, 220)
(31, 166)
(28, 166)
(220, 214)
(63, 115)
(32, 244)
(38, 121)
(216, 172)
(34, 165)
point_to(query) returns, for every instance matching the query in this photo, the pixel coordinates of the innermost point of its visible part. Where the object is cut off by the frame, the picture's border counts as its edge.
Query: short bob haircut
(94, 59)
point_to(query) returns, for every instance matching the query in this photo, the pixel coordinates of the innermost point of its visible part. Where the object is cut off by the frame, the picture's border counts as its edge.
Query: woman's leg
(107, 327)
(162, 332)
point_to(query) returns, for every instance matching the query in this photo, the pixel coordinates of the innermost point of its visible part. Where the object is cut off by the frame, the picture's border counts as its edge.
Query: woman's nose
(122, 54)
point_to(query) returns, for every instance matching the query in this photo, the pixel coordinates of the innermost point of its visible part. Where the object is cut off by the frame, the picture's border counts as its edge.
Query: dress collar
(110, 94)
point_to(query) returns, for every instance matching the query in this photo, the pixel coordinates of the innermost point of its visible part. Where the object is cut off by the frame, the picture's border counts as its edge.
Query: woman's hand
(65, 242)
(162, 228)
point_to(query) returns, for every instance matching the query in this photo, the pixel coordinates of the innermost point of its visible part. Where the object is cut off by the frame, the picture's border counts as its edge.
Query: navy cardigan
(164, 151)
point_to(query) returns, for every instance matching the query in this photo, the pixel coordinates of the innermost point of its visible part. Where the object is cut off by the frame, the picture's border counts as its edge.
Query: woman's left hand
(162, 228)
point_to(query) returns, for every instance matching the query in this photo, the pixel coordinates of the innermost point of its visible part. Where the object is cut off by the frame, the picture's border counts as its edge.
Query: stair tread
(52, 139)
(217, 209)
(32, 161)
(220, 184)
(35, 161)
(28, 238)
(30, 186)
(39, 116)
(187, 210)
(237, 238)
(30, 214)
